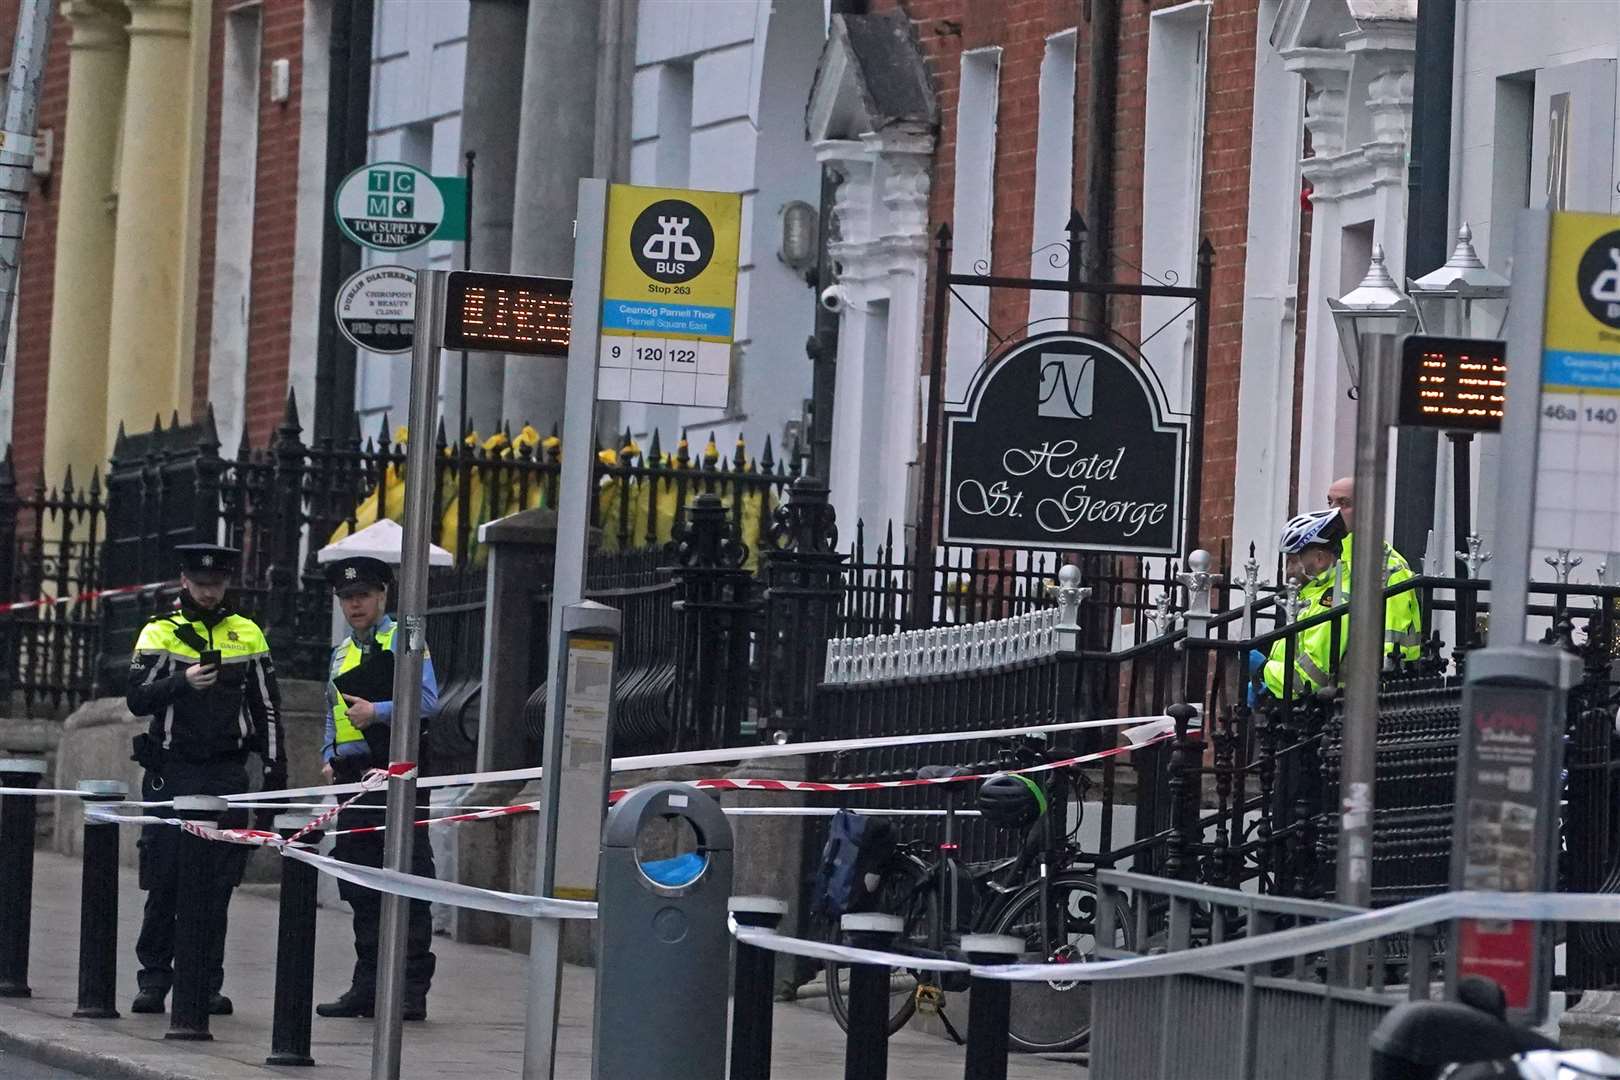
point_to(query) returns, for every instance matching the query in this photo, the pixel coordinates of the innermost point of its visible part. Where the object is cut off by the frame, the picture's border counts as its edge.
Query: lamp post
(1370, 319)
(1446, 299)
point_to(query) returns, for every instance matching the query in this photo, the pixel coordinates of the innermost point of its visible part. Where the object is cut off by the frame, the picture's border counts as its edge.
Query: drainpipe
(347, 127)
(1428, 205)
(1102, 89)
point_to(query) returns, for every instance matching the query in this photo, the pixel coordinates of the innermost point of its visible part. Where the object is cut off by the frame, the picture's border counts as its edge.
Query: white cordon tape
(446, 892)
(1282, 945)
(46, 793)
(725, 784)
(372, 877)
(1140, 730)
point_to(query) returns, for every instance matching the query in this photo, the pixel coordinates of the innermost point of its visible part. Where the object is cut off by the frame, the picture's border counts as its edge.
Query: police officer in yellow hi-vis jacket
(1313, 545)
(204, 676)
(359, 714)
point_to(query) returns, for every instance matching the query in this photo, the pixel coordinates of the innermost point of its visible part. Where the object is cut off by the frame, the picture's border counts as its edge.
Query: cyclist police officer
(1313, 545)
(203, 674)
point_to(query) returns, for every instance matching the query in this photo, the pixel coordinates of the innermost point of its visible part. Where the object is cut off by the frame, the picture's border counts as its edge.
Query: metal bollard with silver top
(17, 817)
(659, 936)
(98, 906)
(197, 919)
(295, 949)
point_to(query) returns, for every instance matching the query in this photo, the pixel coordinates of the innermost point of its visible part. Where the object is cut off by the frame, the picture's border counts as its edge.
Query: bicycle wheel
(908, 891)
(1051, 1017)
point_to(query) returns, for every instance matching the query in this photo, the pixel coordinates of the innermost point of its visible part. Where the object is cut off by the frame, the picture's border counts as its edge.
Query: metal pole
(922, 595)
(752, 995)
(196, 919)
(573, 527)
(1191, 530)
(466, 264)
(28, 53)
(406, 727)
(1521, 426)
(1365, 662)
(98, 907)
(17, 817)
(295, 953)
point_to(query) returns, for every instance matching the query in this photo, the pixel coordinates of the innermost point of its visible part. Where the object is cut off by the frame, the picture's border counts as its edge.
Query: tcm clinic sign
(1065, 443)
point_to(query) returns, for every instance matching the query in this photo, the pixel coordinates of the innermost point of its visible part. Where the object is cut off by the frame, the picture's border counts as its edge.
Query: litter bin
(663, 964)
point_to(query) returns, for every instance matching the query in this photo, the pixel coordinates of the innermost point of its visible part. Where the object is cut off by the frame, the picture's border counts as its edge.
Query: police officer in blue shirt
(358, 731)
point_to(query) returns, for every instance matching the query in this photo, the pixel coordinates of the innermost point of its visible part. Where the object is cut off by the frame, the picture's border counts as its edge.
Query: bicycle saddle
(943, 772)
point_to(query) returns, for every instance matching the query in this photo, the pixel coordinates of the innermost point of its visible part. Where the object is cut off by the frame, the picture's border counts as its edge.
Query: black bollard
(866, 1053)
(98, 906)
(295, 952)
(196, 919)
(991, 1006)
(17, 816)
(753, 990)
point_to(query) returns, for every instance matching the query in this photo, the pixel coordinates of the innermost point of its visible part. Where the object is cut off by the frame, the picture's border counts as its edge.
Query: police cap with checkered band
(359, 574)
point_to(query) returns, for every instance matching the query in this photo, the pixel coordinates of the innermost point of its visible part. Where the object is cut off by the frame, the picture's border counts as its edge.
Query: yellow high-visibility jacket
(1313, 651)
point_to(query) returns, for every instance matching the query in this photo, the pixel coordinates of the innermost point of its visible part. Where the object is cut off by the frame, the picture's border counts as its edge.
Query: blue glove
(1257, 665)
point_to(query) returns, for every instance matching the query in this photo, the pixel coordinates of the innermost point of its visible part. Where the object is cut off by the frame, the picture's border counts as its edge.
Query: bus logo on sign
(672, 241)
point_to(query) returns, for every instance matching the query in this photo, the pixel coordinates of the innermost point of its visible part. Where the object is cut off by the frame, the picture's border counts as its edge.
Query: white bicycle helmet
(1317, 527)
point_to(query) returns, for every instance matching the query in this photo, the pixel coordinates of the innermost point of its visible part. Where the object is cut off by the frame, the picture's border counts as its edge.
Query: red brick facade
(274, 225)
(946, 28)
(36, 284)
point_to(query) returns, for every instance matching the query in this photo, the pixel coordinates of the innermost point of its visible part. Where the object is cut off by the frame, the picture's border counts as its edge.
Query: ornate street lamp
(1374, 313)
(1446, 297)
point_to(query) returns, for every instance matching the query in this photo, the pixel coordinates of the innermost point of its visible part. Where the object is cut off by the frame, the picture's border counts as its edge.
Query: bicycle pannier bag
(858, 848)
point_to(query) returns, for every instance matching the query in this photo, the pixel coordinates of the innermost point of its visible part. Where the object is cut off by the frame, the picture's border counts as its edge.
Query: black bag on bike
(858, 848)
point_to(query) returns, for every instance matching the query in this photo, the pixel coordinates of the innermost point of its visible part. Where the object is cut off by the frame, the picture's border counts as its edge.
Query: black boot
(220, 1005)
(148, 1001)
(351, 1004)
(415, 1007)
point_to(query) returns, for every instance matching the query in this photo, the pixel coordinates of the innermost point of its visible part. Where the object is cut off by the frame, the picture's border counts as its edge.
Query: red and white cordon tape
(371, 781)
(727, 784)
(84, 597)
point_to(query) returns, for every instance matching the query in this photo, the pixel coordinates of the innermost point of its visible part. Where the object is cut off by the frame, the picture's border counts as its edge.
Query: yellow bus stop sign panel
(670, 263)
(1582, 342)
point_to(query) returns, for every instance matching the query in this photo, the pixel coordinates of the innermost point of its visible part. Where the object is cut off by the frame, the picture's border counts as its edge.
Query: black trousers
(367, 850)
(159, 848)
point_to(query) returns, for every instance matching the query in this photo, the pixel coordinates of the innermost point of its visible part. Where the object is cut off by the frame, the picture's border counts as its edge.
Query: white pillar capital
(97, 25)
(159, 18)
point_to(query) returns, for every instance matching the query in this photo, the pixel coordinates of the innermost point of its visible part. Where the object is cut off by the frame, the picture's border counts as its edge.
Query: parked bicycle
(1046, 896)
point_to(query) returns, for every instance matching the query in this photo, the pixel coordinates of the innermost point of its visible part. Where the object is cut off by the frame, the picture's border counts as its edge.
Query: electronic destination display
(1452, 384)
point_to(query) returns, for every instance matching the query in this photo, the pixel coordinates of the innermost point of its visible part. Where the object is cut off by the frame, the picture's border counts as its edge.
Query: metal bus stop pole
(406, 726)
(1365, 660)
(573, 527)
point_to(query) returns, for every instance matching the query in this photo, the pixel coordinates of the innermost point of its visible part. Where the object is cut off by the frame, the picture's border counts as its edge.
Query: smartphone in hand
(209, 658)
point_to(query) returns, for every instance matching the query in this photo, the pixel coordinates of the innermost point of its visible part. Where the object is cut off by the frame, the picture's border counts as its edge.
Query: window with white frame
(972, 214)
(1054, 176)
(1172, 177)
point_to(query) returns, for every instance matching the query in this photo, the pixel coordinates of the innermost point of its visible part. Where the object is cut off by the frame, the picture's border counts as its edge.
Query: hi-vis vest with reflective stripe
(1313, 648)
(349, 659)
(238, 639)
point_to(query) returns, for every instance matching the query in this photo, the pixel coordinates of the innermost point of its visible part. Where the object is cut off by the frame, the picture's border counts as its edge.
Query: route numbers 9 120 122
(1569, 414)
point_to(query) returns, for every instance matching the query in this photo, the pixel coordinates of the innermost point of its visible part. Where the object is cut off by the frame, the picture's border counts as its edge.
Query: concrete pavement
(474, 1029)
